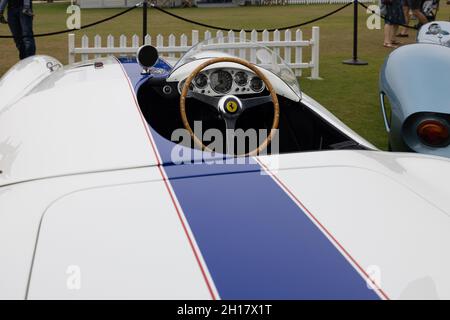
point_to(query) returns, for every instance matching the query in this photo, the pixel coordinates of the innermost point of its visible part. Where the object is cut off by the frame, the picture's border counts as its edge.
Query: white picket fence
(289, 47)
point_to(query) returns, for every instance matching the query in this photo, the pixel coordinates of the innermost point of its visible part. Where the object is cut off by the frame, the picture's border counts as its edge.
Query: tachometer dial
(221, 81)
(201, 80)
(256, 84)
(241, 78)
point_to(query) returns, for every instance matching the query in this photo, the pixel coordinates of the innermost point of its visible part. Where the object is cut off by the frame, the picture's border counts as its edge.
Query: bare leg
(404, 31)
(420, 16)
(388, 34)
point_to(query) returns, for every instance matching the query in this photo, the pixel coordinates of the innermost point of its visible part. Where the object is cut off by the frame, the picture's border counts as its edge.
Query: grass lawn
(350, 92)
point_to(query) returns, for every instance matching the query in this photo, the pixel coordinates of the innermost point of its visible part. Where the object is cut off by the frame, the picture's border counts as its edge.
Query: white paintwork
(281, 88)
(22, 207)
(55, 130)
(232, 42)
(441, 39)
(125, 244)
(23, 77)
(388, 210)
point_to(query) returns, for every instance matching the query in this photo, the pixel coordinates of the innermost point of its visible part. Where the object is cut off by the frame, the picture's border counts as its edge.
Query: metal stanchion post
(144, 20)
(355, 61)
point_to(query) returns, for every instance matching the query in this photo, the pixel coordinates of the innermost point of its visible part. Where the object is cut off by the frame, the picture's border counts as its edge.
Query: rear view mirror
(147, 56)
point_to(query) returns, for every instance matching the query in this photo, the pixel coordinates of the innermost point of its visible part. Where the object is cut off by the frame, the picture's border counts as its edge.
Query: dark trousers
(21, 26)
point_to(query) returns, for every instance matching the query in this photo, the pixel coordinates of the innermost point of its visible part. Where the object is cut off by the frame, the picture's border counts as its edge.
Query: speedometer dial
(221, 81)
(241, 78)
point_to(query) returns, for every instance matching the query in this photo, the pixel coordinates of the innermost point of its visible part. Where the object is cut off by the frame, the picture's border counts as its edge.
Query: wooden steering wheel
(230, 107)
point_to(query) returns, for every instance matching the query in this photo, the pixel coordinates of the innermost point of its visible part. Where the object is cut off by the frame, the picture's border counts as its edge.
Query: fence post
(71, 44)
(97, 44)
(135, 41)
(123, 42)
(287, 49)
(183, 43)
(148, 39)
(159, 42)
(172, 44)
(298, 52)
(194, 37)
(254, 38)
(315, 53)
(84, 45)
(110, 43)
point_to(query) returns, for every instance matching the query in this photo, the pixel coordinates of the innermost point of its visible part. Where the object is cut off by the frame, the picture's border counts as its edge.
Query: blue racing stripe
(256, 241)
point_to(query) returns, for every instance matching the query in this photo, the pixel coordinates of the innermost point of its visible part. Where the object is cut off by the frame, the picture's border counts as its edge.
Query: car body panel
(415, 80)
(397, 218)
(93, 131)
(22, 206)
(107, 232)
(378, 203)
(443, 37)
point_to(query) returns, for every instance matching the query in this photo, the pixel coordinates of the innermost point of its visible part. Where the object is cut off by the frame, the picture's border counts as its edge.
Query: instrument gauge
(201, 80)
(241, 78)
(256, 84)
(181, 86)
(221, 81)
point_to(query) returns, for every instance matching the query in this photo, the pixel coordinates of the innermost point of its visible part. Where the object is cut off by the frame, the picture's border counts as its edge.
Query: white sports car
(102, 197)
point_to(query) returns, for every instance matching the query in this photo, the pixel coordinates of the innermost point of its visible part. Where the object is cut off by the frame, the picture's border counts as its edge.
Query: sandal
(401, 35)
(390, 45)
(395, 42)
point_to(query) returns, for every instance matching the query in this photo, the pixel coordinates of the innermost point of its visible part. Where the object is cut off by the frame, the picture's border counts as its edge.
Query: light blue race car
(415, 98)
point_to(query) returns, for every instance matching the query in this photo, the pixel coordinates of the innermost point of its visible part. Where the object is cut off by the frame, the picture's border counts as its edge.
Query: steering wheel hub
(230, 105)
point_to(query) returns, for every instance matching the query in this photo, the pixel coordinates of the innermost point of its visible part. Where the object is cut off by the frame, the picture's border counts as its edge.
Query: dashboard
(221, 81)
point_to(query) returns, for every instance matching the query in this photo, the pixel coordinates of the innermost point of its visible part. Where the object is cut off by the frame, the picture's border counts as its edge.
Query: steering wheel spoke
(230, 126)
(209, 100)
(254, 102)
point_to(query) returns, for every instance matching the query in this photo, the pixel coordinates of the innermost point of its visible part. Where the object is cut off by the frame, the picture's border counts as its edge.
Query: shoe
(28, 12)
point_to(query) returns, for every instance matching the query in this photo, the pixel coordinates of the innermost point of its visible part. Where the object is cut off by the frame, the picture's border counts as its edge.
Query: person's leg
(388, 35)
(422, 19)
(416, 6)
(16, 29)
(404, 30)
(29, 44)
(394, 32)
(27, 8)
(395, 29)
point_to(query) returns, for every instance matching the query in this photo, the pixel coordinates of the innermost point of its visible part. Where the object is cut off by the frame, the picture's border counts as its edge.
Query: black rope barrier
(247, 30)
(384, 18)
(82, 27)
